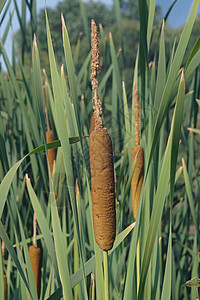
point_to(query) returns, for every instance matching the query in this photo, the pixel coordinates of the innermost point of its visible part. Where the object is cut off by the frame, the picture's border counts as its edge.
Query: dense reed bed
(123, 192)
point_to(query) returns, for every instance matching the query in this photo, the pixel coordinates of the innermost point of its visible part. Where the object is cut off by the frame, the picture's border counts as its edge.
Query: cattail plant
(102, 170)
(35, 254)
(137, 156)
(101, 163)
(137, 159)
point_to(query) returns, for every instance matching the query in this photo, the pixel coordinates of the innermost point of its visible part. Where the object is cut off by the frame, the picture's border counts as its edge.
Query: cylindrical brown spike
(51, 152)
(35, 254)
(103, 188)
(5, 287)
(92, 123)
(137, 154)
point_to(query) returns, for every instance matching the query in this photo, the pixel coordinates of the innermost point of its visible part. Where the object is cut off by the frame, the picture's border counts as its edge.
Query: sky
(177, 17)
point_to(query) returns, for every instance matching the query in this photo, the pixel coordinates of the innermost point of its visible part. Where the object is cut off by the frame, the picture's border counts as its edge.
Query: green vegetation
(45, 196)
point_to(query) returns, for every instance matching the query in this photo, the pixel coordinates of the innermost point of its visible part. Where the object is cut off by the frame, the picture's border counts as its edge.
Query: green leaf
(189, 194)
(193, 52)
(7, 27)
(126, 116)
(91, 263)
(70, 68)
(43, 225)
(85, 20)
(151, 13)
(7, 180)
(115, 67)
(83, 68)
(119, 23)
(176, 131)
(161, 193)
(38, 86)
(2, 3)
(161, 74)
(167, 283)
(11, 250)
(165, 102)
(65, 146)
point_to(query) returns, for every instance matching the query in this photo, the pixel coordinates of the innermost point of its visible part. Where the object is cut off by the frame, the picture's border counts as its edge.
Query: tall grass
(167, 221)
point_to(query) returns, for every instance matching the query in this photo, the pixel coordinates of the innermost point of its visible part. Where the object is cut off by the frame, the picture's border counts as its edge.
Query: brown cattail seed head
(51, 152)
(103, 188)
(5, 287)
(137, 154)
(35, 254)
(92, 123)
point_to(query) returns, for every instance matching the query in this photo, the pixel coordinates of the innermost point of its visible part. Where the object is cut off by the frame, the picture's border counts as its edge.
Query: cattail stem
(138, 264)
(106, 276)
(34, 230)
(3, 252)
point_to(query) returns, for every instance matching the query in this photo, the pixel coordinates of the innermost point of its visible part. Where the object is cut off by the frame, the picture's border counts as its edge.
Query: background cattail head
(5, 286)
(35, 254)
(137, 156)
